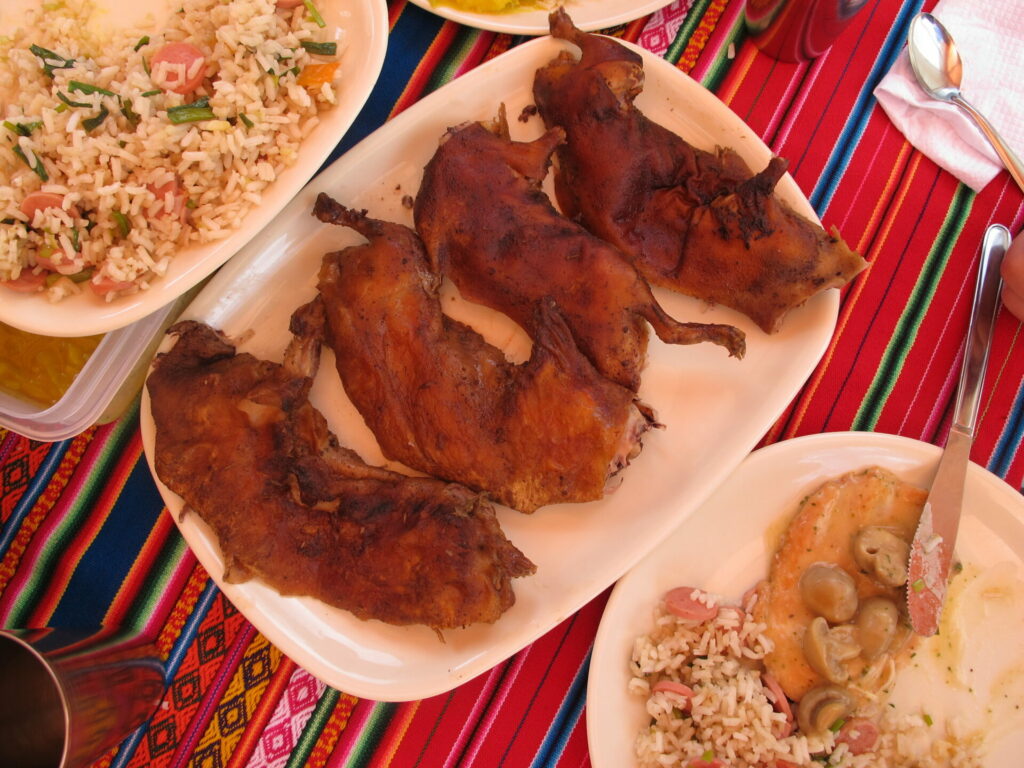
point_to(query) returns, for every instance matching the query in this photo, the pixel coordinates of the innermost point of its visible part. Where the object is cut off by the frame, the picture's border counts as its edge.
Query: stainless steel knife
(931, 551)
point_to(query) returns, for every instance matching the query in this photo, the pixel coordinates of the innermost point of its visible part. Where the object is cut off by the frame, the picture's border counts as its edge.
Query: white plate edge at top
(365, 23)
(803, 463)
(220, 299)
(587, 15)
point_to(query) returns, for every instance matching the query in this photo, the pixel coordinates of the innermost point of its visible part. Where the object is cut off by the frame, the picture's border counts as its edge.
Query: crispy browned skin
(442, 400)
(488, 225)
(693, 221)
(822, 530)
(237, 438)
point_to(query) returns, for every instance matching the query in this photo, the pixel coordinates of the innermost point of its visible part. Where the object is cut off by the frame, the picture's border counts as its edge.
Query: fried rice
(730, 716)
(128, 170)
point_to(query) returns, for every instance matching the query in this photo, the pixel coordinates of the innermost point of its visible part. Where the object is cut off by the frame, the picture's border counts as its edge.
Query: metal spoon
(939, 70)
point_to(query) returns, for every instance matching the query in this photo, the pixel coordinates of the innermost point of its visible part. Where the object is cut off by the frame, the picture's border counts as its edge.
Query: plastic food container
(101, 392)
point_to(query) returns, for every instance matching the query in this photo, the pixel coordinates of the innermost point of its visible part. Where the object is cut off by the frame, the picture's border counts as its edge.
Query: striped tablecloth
(84, 537)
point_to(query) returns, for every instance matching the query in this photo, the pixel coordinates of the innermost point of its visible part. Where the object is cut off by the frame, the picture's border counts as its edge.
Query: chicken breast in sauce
(830, 525)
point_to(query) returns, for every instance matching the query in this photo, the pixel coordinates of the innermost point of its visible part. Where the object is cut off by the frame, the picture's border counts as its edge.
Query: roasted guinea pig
(488, 225)
(238, 440)
(697, 222)
(441, 400)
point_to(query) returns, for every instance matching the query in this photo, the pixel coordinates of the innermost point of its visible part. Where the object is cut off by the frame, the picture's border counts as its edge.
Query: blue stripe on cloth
(857, 121)
(190, 629)
(105, 565)
(38, 484)
(566, 718)
(181, 645)
(1009, 440)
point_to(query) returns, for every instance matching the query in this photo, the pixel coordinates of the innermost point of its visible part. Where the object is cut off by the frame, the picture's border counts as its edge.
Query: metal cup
(798, 30)
(66, 697)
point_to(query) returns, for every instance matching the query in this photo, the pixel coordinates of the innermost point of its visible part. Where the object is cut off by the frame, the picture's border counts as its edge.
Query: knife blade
(931, 551)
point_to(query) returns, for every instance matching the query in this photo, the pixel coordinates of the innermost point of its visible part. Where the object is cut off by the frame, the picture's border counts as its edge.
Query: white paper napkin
(990, 37)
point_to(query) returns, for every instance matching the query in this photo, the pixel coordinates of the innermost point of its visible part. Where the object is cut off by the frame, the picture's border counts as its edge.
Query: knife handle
(979, 331)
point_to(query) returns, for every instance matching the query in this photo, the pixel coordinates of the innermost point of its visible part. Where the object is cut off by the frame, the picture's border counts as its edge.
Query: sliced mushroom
(821, 707)
(829, 591)
(882, 555)
(826, 649)
(877, 622)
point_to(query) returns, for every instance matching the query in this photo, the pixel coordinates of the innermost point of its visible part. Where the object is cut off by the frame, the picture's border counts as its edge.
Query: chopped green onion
(154, 92)
(145, 66)
(78, 277)
(130, 114)
(22, 129)
(38, 168)
(144, 40)
(191, 113)
(51, 60)
(71, 103)
(190, 204)
(837, 725)
(123, 225)
(81, 277)
(314, 13)
(74, 238)
(927, 719)
(708, 756)
(918, 585)
(245, 119)
(94, 122)
(78, 87)
(61, 108)
(321, 49)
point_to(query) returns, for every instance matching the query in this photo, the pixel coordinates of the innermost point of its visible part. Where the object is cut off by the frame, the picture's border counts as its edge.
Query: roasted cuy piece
(489, 226)
(693, 221)
(442, 400)
(237, 438)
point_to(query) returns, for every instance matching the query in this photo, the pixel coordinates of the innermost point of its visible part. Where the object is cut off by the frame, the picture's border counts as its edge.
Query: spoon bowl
(939, 71)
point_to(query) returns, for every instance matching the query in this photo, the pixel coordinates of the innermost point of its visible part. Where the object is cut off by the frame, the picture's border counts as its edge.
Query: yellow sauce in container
(41, 368)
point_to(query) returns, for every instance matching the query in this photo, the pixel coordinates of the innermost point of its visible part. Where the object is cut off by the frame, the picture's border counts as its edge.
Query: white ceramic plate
(725, 548)
(588, 15)
(715, 407)
(365, 28)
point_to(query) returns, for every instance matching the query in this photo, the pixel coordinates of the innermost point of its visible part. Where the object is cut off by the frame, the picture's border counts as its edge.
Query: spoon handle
(1010, 160)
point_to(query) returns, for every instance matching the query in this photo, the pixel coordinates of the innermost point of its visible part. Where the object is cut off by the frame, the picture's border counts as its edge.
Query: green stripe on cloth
(371, 734)
(152, 590)
(453, 58)
(902, 339)
(313, 728)
(722, 62)
(77, 512)
(685, 31)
